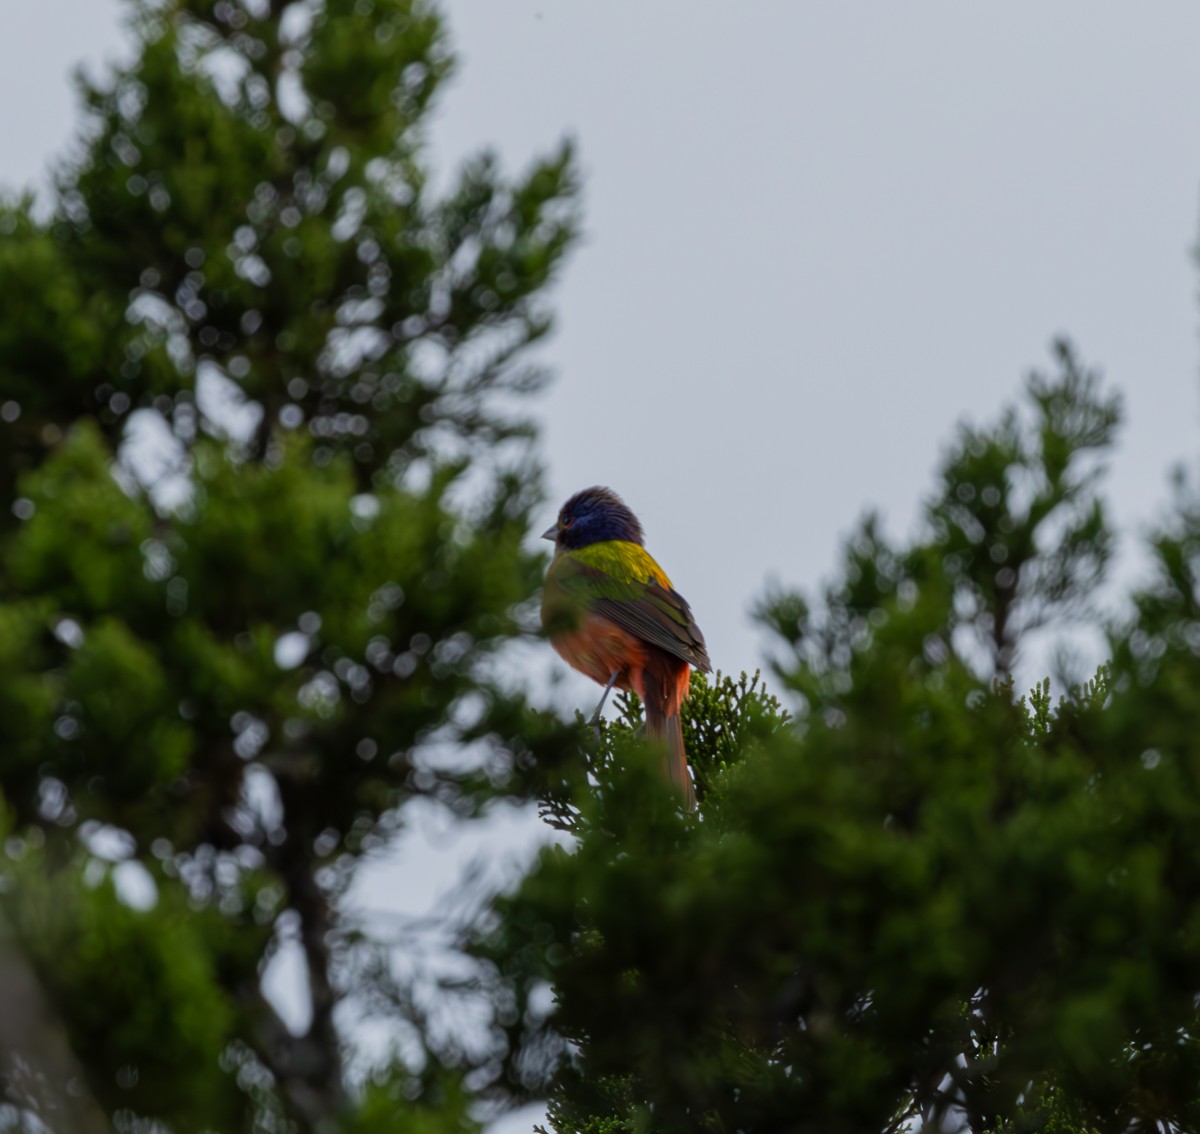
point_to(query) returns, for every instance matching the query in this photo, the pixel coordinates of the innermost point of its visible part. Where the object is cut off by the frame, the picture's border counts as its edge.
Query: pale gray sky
(818, 234)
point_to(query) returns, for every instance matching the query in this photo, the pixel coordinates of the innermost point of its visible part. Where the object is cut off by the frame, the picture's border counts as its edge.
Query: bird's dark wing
(661, 617)
(621, 582)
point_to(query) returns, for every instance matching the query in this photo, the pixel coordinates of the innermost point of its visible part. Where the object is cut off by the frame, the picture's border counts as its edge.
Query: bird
(611, 612)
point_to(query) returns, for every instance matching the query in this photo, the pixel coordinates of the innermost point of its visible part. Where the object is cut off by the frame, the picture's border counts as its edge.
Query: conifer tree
(930, 901)
(266, 474)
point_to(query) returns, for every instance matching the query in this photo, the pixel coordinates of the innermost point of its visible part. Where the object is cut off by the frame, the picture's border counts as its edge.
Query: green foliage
(266, 476)
(387, 1106)
(722, 720)
(932, 899)
(141, 983)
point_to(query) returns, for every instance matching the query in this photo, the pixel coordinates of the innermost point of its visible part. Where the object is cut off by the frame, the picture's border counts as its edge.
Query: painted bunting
(612, 613)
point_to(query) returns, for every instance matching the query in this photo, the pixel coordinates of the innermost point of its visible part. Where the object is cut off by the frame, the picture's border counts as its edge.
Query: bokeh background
(817, 236)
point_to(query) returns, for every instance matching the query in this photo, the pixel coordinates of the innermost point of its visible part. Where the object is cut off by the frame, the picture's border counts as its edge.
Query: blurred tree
(928, 902)
(265, 480)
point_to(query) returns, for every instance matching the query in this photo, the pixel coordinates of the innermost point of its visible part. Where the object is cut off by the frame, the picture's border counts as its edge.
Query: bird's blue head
(591, 516)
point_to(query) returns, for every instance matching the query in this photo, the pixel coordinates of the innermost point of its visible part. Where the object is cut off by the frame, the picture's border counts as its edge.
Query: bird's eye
(568, 521)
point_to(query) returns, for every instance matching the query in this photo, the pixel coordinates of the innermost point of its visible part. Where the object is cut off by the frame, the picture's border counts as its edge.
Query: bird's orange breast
(599, 648)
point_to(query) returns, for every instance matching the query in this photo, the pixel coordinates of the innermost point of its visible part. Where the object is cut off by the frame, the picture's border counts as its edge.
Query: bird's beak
(551, 533)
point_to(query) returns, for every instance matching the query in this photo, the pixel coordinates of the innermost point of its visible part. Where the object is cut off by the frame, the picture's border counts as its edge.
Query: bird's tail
(667, 729)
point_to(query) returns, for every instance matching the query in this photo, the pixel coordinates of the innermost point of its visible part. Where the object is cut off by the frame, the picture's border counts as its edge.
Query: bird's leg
(595, 721)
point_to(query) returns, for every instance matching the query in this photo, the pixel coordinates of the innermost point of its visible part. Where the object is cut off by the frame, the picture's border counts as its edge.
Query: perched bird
(611, 613)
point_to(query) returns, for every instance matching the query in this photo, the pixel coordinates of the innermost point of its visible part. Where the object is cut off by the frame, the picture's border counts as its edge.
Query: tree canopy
(267, 472)
(929, 901)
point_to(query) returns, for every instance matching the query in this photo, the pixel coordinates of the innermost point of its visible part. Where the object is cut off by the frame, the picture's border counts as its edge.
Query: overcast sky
(818, 235)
